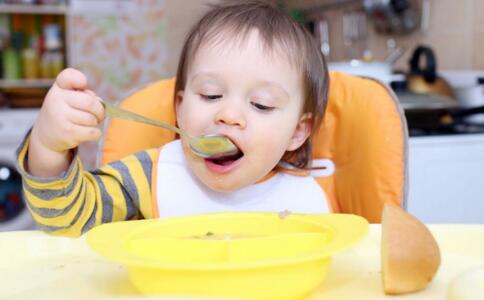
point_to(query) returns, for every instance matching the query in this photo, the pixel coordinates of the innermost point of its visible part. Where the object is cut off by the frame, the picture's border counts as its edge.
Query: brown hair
(275, 28)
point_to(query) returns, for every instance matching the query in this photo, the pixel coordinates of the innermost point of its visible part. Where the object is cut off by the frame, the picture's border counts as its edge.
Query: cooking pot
(444, 121)
(425, 80)
(472, 96)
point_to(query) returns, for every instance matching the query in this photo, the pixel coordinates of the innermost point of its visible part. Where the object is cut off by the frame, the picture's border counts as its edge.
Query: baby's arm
(69, 116)
(62, 197)
(75, 202)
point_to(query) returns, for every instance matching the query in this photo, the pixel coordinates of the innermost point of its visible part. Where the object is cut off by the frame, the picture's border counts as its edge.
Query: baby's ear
(302, 132)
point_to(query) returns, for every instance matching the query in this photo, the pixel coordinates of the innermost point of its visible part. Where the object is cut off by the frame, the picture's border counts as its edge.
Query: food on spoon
(410, 255)
(467, 286)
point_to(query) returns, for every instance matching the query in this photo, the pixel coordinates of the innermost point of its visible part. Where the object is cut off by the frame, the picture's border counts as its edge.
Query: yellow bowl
(232, 255)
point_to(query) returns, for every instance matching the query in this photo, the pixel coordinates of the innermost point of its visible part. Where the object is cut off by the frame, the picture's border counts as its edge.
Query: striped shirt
(78, 200)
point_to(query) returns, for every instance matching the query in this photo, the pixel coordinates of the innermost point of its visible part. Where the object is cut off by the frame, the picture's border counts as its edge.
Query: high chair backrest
(364, 134)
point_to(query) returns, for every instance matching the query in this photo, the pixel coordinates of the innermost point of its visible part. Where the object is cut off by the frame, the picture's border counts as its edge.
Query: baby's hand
(69, 114)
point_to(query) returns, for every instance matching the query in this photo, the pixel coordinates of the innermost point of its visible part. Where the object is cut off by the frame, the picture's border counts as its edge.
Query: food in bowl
(220, 236)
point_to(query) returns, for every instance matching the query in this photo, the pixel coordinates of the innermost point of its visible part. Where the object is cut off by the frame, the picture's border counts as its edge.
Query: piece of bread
(410, 255)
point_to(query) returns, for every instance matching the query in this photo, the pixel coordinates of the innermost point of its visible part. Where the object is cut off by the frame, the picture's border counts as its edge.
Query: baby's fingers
(86, 133)
(71, 79)
(86, 102)
(83, 118)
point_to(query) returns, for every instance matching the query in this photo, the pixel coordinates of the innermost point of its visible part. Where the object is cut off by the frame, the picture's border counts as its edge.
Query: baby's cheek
(270, 150)
(274, 138)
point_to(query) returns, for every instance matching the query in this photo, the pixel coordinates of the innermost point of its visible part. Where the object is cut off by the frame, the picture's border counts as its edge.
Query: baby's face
(250, 95)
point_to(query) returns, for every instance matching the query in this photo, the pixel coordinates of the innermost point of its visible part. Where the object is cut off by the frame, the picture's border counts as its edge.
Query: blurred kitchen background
(428, 51)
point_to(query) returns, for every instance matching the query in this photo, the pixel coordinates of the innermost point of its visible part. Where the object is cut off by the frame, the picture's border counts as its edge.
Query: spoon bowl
(212, 146)
(208, 146)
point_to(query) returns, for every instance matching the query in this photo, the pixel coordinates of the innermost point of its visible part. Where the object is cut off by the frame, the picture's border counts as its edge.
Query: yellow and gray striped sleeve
(78, 200)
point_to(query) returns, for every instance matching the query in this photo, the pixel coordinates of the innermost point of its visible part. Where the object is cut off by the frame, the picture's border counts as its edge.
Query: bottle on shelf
(12, 64)
(52, 61)
(30, 51)
(30, 60)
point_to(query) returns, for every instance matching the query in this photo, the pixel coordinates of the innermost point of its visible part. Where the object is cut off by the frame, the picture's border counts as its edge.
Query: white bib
(180, 193)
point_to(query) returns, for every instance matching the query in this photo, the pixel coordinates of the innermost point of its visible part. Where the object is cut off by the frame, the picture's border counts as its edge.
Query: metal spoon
(208, 146)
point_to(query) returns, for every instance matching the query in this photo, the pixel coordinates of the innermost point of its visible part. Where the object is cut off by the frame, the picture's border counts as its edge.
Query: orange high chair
(364, 134)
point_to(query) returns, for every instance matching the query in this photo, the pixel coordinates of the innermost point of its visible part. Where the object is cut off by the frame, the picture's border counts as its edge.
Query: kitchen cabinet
(446, 178)
(34, 47)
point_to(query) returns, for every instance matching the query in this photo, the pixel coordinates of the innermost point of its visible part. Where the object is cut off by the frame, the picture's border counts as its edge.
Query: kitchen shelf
(60, 9)
(26, 83)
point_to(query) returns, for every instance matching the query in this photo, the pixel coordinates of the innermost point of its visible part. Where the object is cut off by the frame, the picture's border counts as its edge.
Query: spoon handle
(116, 112)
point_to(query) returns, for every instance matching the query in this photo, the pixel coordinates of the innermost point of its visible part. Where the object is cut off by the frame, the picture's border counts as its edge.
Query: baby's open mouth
(225, 160)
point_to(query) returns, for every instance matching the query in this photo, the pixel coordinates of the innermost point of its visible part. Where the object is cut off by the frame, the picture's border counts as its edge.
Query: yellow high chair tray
(231, 255)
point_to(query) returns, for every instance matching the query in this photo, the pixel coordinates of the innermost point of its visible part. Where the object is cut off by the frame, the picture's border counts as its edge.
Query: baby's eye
(210, 97)
(262, 107)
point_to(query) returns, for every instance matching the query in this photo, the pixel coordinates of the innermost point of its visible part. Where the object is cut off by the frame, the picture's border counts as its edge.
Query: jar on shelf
(31, 60)
(52, 61)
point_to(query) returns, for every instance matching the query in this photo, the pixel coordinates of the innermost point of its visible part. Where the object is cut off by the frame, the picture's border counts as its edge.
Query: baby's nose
(231, 115)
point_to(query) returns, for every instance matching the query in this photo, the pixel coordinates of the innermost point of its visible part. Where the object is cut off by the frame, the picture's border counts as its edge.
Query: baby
(247, 71)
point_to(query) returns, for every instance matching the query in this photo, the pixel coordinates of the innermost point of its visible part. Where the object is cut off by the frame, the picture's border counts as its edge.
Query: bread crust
(410, 255)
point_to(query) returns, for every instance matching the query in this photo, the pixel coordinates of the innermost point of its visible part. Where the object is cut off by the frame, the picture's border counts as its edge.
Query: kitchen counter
(37, 266)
